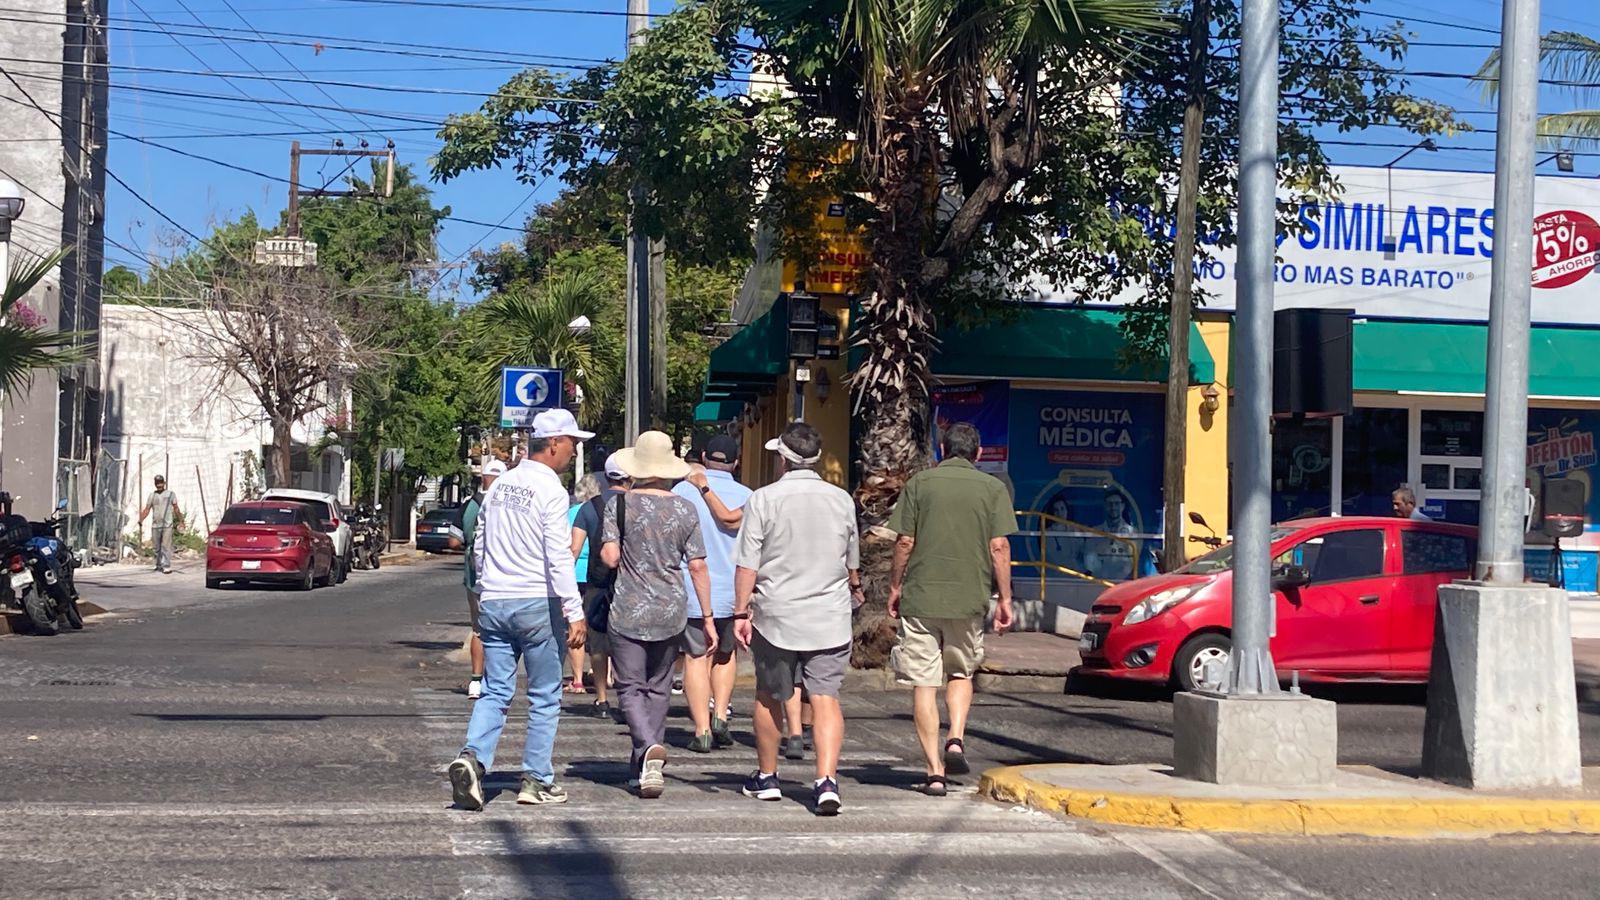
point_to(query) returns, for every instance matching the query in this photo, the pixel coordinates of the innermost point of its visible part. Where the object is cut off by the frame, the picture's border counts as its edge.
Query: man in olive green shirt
(953, 553)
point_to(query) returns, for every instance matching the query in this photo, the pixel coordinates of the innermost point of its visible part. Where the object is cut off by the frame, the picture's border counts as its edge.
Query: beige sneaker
(651, 780)
(535, 791)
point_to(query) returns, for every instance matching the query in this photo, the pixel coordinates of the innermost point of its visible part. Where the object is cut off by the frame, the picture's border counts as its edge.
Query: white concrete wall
(163, 416)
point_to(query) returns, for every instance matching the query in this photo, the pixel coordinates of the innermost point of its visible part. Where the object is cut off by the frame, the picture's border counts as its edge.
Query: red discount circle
(1565, 245)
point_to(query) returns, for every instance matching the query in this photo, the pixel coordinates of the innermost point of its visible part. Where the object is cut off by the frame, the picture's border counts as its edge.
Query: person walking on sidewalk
(954, 524)
(162, 507)
(469, 527)
(523, 554)
(648, 536)
(597, 588)
(798, 574)
(718, 499)
(587, 489)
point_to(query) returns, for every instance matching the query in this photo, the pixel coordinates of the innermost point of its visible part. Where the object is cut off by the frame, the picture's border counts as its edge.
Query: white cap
(614, 472)
(558, 423)
(493, 468)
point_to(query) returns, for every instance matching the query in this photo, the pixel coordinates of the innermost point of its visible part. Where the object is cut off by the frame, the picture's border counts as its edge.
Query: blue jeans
(533, 630)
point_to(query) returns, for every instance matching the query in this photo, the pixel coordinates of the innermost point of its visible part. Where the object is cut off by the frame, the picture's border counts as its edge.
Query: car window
(452, 514)
(1337, 556)
(1425, 552)
(261, 515)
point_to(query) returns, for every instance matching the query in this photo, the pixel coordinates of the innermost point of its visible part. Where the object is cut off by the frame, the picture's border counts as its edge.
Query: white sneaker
(475, 689)
(651, 780)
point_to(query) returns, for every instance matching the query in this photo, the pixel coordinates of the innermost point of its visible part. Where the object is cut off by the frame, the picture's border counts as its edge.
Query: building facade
(57, 110)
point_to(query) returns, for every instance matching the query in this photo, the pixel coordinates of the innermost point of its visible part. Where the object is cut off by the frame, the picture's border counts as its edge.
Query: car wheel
(1198, 656)
(310, 579)
(341, 567)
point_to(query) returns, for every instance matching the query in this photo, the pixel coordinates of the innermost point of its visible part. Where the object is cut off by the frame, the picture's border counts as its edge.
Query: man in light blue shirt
(708, 675)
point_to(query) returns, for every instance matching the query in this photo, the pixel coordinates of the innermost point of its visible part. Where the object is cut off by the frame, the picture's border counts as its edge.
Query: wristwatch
(705, 488)
(742, 615)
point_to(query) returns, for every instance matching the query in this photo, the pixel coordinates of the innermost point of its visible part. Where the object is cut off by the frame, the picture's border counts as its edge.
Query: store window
(1451, 456)
(1302, 468)
(1374, 460)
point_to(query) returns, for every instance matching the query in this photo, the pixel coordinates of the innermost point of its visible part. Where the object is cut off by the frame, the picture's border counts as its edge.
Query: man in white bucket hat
(523, 556)
(649, 534)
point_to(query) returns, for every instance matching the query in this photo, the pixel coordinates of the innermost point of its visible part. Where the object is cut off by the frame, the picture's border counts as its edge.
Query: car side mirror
(61, 506)
(1291, 577)
(1198, 519)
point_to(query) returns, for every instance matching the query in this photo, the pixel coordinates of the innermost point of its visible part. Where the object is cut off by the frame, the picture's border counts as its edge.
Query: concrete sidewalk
(1360, 801)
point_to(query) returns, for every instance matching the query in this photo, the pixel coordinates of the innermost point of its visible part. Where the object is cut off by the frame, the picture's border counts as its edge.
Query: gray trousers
(644, 687)
(161, 537)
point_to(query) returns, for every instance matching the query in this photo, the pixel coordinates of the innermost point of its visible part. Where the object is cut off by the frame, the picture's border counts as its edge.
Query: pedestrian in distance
(523, 554)
(162, 508)
(798, 580)
(649, 536)
(469, 527)
(1403, 502)
(598, 586)
(718, 500)
(588, 487)
(953, 553)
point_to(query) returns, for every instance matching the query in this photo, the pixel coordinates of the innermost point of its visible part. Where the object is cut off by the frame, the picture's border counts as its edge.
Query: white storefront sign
(1421, 246)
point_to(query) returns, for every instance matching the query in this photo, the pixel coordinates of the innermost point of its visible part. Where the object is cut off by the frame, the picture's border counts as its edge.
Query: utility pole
(1251, 733)
(645, 380)
(295, 191)
(1177, 443)
(1501, 717)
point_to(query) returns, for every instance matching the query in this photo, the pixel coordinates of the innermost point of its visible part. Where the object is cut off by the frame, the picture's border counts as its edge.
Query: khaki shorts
(933, 651)
(472, 611)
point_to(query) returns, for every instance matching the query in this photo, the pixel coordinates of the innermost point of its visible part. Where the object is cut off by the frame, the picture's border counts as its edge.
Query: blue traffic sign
(525, 392)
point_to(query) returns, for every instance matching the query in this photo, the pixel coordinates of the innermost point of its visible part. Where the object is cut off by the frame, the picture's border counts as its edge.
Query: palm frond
(1579, 128)
(27, 270)
(1563, 56)
(24, 351)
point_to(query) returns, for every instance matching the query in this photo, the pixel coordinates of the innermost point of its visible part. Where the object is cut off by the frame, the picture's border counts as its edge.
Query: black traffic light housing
(804, 317)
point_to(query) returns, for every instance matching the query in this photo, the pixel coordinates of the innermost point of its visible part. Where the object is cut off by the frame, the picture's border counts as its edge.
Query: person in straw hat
(648, 534)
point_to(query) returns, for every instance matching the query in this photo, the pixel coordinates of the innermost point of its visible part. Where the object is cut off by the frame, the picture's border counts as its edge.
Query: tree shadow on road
(589, 871)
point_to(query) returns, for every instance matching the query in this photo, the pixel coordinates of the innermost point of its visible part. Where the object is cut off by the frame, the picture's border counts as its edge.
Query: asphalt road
(246, 743)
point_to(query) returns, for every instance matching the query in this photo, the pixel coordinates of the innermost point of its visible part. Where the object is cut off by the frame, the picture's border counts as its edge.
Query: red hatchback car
(269, 540)
(1355, 599)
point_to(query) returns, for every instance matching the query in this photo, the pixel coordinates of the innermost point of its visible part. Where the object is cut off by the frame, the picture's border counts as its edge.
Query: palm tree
(533, 327)
(1564, 56)
(25, 347)
(947, 85)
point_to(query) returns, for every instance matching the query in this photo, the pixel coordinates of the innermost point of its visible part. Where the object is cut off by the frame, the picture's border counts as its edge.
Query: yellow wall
(1205, 482)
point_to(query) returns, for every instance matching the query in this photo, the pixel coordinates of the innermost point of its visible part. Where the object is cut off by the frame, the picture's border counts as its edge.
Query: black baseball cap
(722, 449)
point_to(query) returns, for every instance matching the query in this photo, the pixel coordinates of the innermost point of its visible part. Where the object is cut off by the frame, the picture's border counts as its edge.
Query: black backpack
(602, 579)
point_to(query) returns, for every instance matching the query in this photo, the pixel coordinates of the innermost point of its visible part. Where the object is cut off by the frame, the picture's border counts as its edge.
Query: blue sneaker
(762, 787)
(825, 798)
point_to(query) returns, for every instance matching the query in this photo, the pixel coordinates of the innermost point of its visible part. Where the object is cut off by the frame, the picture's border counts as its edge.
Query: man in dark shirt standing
(954, 524)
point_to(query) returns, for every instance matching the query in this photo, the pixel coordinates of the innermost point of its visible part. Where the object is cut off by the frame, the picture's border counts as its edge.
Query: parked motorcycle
(53, 564)
(18, 589)
(368, 539)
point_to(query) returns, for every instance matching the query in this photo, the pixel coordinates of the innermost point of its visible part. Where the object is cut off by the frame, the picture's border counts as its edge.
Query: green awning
(713, 411)
(1451, 358)
(757, 352)
(1057, 342)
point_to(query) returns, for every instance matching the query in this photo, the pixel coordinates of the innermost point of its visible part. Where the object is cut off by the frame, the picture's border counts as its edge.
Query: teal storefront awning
(1452, 357)
(756, 353)
(710, 412)
(1067, 342)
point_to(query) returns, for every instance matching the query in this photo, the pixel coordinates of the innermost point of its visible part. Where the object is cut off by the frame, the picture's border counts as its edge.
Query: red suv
(270, 540)
(1354, 599)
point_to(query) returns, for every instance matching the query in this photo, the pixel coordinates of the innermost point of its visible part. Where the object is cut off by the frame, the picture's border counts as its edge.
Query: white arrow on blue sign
(525, 392)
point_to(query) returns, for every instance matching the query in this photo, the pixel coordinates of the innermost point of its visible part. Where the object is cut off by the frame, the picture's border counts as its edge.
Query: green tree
(1571, 58)
(26, 344)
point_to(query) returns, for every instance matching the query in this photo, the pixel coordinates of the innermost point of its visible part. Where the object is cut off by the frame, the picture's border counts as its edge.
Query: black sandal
(934, 786)
(955, 757)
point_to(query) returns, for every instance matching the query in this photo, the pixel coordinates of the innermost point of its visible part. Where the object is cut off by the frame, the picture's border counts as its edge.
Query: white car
(331, 519)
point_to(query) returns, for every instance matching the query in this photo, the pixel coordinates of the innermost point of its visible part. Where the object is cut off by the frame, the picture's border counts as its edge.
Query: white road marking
(1209, 866)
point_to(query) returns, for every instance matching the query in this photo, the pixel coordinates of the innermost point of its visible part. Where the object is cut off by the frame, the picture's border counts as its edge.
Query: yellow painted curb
(1389, 817)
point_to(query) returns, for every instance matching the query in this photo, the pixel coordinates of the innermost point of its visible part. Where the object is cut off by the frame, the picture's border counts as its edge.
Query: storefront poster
(1090, 462)
(1561, 444)
(985, 405)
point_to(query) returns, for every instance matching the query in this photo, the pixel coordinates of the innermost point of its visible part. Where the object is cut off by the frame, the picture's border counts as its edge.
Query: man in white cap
(493, 469)
(598, 585)
(798, 562)
(523, 555)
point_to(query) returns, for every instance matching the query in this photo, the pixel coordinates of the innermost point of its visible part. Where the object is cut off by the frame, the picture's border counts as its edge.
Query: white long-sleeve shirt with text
(523, 545)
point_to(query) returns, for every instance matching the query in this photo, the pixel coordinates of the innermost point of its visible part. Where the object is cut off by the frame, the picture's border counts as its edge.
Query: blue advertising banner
(1561, 445)
(986, 406)
(1088, 464)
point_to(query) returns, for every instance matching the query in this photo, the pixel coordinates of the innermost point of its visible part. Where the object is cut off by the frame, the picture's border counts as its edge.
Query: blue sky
(199, 194)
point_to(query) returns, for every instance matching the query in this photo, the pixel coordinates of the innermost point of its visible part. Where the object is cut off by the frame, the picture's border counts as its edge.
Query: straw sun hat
(651, 458)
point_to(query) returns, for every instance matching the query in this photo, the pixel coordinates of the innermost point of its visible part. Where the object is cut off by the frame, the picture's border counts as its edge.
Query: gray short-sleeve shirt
(661, 532)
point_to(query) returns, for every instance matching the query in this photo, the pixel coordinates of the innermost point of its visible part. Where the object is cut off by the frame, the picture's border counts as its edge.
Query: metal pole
(1250, 669)
(294, 189)
(637, 377)
(1505, 419)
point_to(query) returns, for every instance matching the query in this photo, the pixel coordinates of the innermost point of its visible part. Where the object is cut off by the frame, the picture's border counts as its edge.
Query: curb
(1376, 817)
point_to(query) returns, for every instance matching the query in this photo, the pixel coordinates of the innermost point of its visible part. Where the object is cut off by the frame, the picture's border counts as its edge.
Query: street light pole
(1250, 669)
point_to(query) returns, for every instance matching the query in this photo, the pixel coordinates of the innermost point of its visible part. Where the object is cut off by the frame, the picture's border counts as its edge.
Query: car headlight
(1159, 602)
